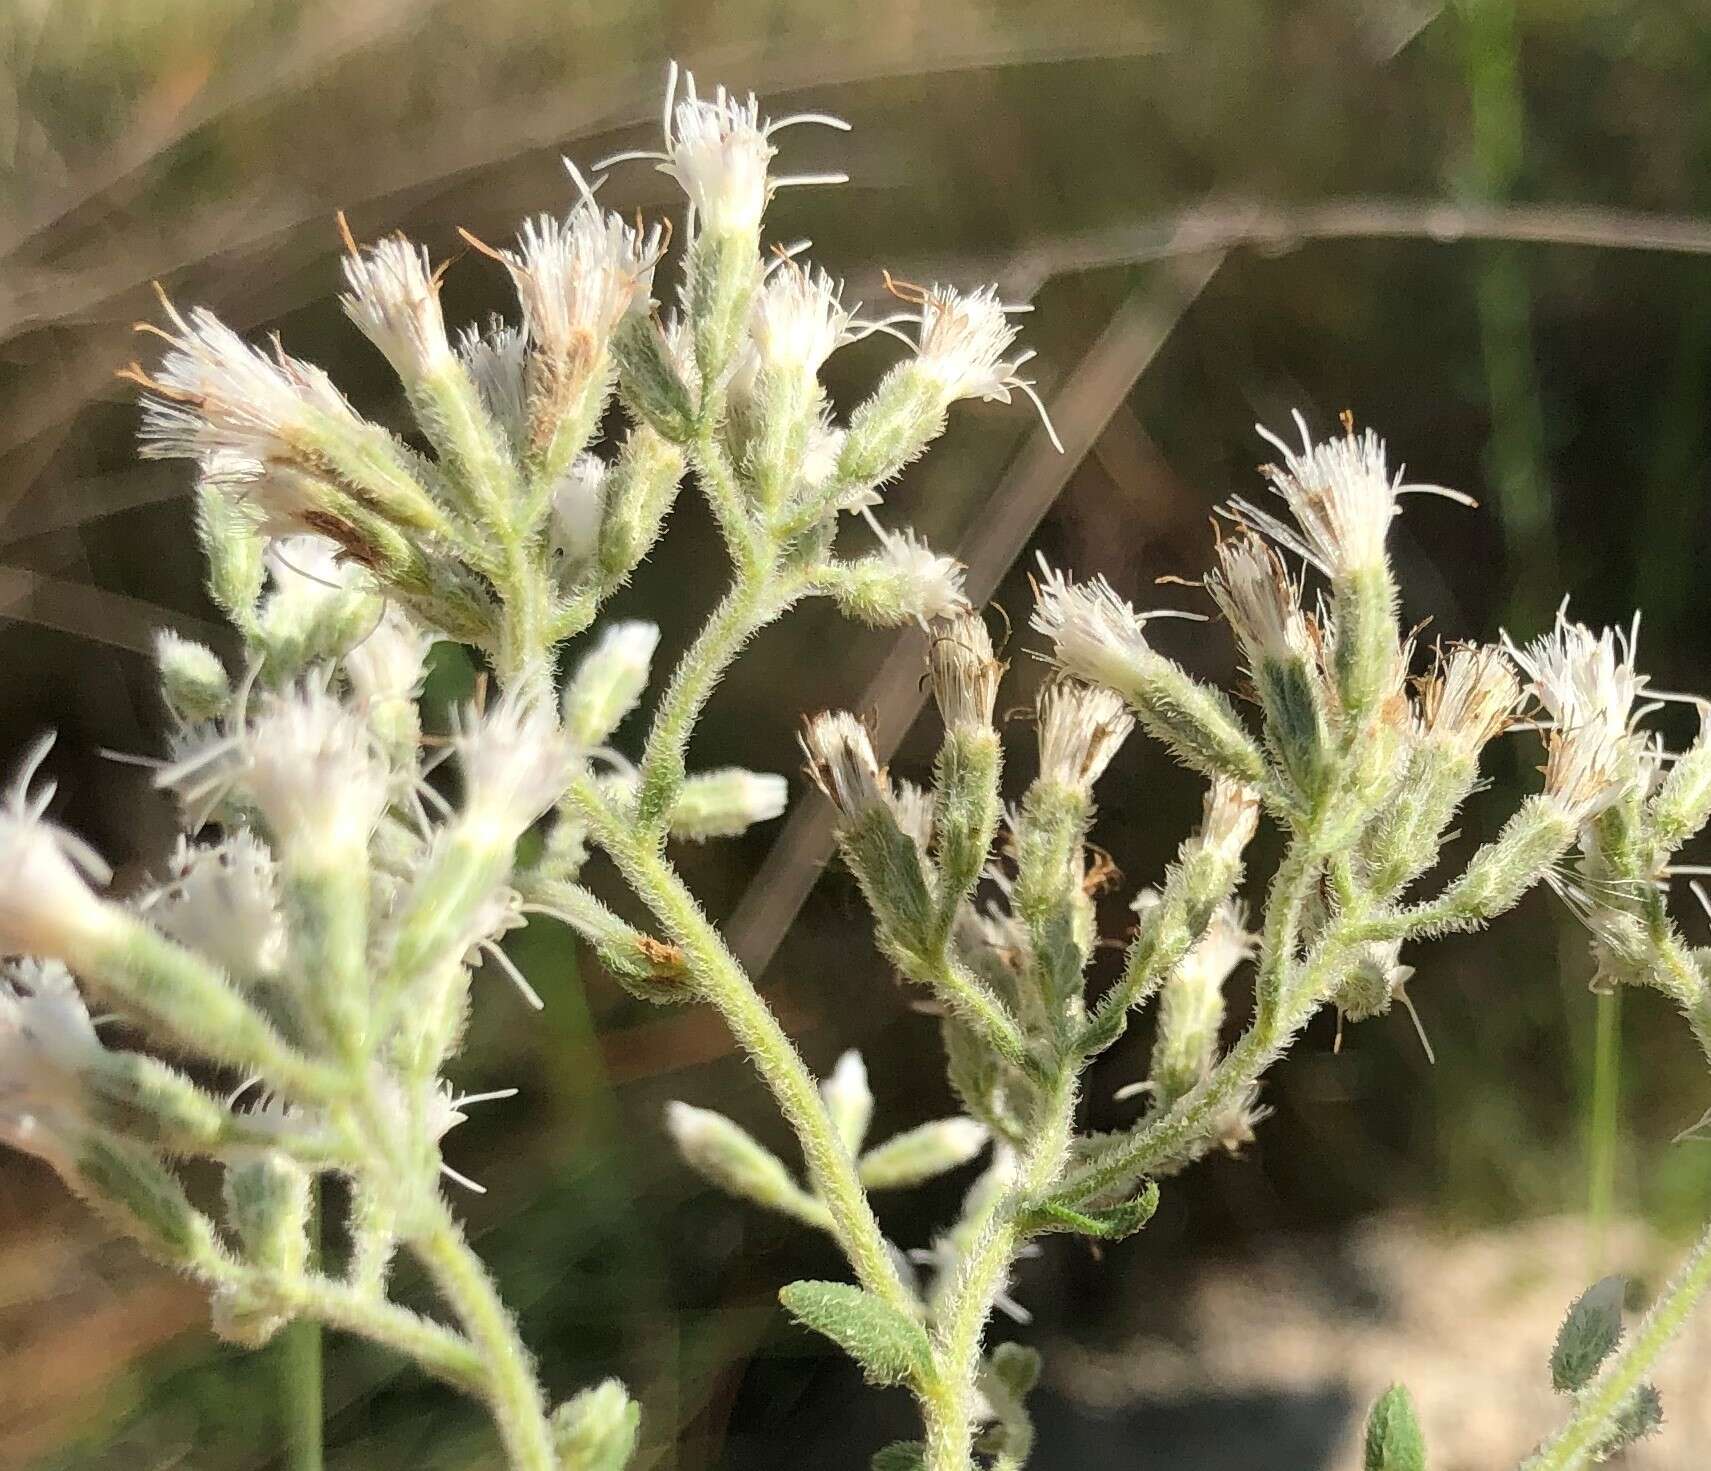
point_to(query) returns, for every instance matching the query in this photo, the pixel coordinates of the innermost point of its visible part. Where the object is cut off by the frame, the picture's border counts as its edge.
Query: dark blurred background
(1476, 225)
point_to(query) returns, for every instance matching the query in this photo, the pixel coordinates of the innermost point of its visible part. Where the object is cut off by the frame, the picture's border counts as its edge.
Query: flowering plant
(316, 932)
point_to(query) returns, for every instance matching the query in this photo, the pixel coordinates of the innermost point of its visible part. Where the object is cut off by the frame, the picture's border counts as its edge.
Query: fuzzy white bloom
(1224, 945)
(609, 681)
(849, 1099)
(516, 762)
(1081, 728)
(47, 1042)
(215, 395)
(961, 342)
(221, 900)
(1095, 634)
(1469, 698)
(842, 764)
(820, 459)
(310, 567)
(719, 150)
(1260, 601)
(578, 276)
(1581, 679)
(799, 320)
(394, 299)
(1588, 769)
(927, 585)
(1342, 495)
(47, 904)
(304, 761)
(923, 1153)
(495, 359)
(390, 661)
(578, 508)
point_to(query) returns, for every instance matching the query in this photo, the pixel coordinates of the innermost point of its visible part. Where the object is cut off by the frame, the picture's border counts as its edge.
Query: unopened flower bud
(1373, 982)
(609, 682)
(192, 679)
(596, 1429)
(1191, 1005)
(905, 581)
(848, 1099)
(922, 1153)
(727, 1156)
(1081, 729)
(1588, 1336)
(721, 804)
(268, 1202)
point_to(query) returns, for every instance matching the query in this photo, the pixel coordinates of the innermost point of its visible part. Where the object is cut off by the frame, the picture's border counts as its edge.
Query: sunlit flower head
(1470, 697)
(720, 149)
(1096, 635)
(799, 319)
(1259, 600)
(47, 904)
(516, 762)
(1081, 728)
(46, 1042)
(221, 900)
(929, 585)
(1341, 494)
(394, 298)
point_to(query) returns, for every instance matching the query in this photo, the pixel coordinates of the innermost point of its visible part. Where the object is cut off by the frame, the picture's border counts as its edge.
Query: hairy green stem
(1596, 1407)
(722, 981)
(508, 1384)
(948, 1404)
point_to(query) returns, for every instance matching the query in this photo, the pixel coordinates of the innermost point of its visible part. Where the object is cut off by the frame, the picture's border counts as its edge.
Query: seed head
(965, 673)
(842, 764)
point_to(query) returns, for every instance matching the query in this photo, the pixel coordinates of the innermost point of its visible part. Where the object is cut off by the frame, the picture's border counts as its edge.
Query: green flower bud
(922, 1153)
(608, 682)
(192, 679)
(722, 804)
(727, 1156)
(1393, 1438)
(849, 1100)
(1589, 1335)
(268, 1204)
(596, 1430)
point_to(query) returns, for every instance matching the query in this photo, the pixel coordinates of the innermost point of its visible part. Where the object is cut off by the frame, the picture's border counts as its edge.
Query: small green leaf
(891, 1348)
(1016, 1367)
(1393, 1438)
(900, 1455)
(1588, 1336)
(1640, 1416)
(1112, 1223)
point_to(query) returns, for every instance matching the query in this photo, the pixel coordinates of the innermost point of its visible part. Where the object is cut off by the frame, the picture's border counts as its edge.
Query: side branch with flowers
(316, 933)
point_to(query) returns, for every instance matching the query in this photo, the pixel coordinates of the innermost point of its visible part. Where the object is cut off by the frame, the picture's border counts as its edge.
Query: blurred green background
(1476, 225)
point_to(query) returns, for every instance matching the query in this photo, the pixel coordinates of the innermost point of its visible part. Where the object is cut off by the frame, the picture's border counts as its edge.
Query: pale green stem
(721, 980)
(508, 1384)
(1596, 1407)
(1604, 1120)
(947, 1405)
(300, 1370)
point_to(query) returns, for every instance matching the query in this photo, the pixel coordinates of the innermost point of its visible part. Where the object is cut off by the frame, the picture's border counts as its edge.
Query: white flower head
(494, 358)
(820, 460)
(47, 904)
(1342, 495)
(310, 567)
(1096, 635)
(1081, 728)
(961, 342)
(1224, 944)
(1584, 679)
(913, 806)
(799, 319)
(390, 661)
(47, 1042)
(243, 412)
(842, 764)
(516, 762)
(1469, 698)
(719, 149)
(578, 276)
(965, 673)
(221, 900)
(928, 585)
(304, 761)
(394, 298)
(1260, 601)
(1589, 768)
(578, 508)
